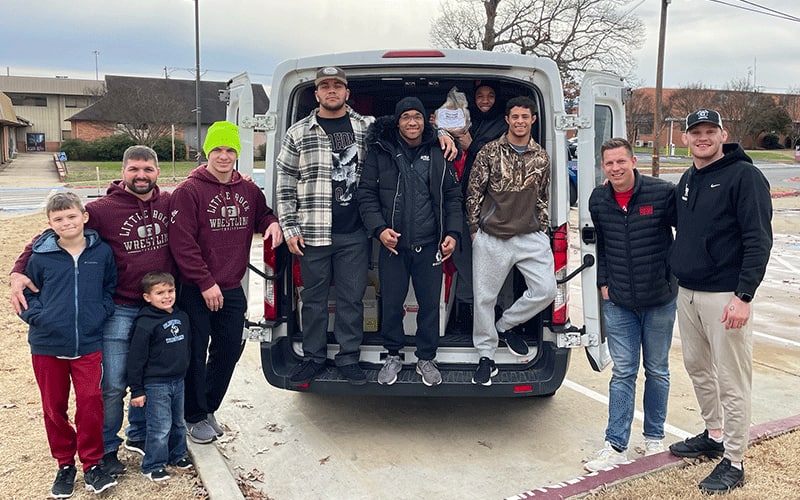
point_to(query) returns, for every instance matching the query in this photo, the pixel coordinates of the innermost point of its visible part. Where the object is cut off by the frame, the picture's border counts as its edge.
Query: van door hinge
(258, 122)
(572, 122)
(577, 337)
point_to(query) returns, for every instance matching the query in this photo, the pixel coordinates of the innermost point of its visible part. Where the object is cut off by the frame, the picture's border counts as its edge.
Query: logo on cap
(702, 114)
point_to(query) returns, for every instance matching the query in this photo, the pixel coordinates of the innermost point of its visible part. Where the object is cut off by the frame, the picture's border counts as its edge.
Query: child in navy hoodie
(157, 364)
(69, 262)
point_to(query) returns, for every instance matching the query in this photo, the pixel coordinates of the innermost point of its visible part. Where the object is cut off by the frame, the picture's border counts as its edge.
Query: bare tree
(747, 112)
(577, 34)
(791, 103)
(639, 114)
(690, 98)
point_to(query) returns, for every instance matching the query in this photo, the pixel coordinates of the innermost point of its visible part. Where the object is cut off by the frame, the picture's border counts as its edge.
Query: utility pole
(197, 75)
(96, 70)
(659, 88)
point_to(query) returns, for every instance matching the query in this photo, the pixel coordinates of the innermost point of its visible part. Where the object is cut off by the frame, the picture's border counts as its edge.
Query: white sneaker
(605, 459)
(653, 446)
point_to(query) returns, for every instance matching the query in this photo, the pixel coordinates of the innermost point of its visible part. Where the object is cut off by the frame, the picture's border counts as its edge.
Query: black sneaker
(97, 480)
(305, 372)
(354, 374)
(693, 447)
(724, 478)
(157, 475)
(135, 446)
(184, 463)
(111, 464)
(486, 370)
(64, 485)
(515, 343)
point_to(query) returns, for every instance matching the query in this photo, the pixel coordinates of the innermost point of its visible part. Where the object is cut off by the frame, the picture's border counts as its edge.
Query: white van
(377, 80)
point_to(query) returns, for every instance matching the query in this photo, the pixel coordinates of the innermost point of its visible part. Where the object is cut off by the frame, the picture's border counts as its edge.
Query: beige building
(47, 104)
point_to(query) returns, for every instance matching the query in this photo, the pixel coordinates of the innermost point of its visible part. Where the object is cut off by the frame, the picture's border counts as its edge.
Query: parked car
(572, 169)
(377, 80)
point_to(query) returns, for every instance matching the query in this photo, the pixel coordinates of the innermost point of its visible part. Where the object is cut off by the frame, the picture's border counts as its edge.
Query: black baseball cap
(703, 115)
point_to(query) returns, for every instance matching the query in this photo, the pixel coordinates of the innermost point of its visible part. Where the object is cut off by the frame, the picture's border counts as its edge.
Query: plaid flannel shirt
(304, 185)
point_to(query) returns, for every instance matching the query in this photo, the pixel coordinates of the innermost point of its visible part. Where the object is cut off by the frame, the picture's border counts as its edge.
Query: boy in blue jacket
(157, 364)
(76, 276)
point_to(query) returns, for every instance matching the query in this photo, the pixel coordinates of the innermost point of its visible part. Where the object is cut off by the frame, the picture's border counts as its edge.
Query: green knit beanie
(222, 134)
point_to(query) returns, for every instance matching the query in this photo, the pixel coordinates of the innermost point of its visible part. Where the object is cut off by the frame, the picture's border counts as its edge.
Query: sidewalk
(30, 170)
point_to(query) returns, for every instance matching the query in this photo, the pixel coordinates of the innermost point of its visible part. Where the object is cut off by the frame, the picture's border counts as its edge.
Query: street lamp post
(197, 75)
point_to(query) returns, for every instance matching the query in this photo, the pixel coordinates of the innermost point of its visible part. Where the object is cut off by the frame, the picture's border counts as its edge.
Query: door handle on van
(588, 261)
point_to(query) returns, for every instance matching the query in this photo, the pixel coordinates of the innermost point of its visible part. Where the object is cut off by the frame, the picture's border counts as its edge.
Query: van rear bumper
(542, 378)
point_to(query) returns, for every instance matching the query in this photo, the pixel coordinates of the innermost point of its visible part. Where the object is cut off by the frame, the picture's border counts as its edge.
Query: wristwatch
(744, 297)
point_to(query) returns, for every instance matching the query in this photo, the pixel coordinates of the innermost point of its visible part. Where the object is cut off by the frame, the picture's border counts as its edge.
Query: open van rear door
(601, 116)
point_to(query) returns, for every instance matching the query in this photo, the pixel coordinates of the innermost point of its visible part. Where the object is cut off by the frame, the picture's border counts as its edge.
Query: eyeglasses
(415, 117)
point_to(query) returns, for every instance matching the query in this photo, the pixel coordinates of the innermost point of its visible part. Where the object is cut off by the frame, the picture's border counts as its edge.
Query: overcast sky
(706, 40)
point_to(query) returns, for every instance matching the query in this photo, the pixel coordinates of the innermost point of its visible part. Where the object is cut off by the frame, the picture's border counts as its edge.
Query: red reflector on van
(394, 54)
(519, 389)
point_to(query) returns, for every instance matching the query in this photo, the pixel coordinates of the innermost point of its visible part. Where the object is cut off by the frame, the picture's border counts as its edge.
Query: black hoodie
(724, 228)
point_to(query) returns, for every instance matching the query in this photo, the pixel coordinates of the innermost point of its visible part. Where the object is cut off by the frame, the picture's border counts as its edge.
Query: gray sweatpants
(720, 364)
(492, 260)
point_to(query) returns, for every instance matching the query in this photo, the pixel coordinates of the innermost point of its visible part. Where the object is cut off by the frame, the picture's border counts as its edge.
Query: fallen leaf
(323, 461)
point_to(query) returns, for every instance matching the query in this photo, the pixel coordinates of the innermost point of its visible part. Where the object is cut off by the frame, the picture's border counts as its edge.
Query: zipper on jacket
(75, 285)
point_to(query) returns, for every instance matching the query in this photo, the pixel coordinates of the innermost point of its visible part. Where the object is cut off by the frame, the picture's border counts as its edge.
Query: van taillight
(560, 251)
(270, 286)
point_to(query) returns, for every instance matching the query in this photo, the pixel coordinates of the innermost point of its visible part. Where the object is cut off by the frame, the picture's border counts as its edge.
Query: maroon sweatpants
(53, 376)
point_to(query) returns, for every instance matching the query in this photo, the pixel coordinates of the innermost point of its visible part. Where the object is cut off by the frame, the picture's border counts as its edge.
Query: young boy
(157, 364)
(76, 276)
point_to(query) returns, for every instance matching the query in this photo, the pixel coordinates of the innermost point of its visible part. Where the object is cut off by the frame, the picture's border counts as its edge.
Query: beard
(329, 107)
(133, 188)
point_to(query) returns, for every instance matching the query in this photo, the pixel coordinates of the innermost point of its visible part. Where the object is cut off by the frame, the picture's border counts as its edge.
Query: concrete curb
(582, 486)
(213, 472)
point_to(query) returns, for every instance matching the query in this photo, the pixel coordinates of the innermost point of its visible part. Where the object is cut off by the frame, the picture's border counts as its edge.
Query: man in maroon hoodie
(132, 218)
(215, 213)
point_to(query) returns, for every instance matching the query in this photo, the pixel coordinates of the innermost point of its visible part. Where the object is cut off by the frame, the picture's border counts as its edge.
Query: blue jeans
(166, 430)
(648, 330)
(116, 344)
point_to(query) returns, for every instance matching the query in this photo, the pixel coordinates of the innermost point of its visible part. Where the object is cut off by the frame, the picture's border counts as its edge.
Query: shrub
(163, 148)
(76, 149)
(771, 141)
(110, 148)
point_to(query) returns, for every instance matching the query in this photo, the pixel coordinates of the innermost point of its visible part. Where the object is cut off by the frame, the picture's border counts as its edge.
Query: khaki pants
(720, 364)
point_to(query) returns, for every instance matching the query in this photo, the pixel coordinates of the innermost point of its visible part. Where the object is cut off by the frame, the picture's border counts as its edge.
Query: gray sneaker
(212, 421)
(391, 367)
(430, 374)
(201, 432)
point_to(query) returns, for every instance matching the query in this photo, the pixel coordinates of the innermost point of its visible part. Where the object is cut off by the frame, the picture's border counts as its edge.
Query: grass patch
(85, 173)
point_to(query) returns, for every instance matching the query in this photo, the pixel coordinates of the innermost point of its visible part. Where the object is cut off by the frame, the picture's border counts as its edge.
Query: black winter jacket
(633, 246)
(724, 234)
(380, 197)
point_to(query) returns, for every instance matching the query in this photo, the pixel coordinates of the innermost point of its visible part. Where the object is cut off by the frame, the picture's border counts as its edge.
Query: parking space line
(784, 263)
(777, 339)
(671, 429)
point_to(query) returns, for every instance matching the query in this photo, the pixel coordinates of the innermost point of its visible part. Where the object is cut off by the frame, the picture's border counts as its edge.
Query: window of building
(28, 100)
(72, 101)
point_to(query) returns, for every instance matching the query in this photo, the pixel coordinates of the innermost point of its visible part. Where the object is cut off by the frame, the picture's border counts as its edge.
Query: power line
(781, 14)
(760, 10)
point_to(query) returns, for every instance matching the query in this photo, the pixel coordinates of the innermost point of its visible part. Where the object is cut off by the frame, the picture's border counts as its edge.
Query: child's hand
(138, 402)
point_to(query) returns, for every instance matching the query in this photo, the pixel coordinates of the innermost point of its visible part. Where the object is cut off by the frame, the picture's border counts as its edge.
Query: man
(508, 219)
(133, 219)
(488, 123)
(633, 215)
(417, 219)
(722, 245)
(318, 168)
(215, 213)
